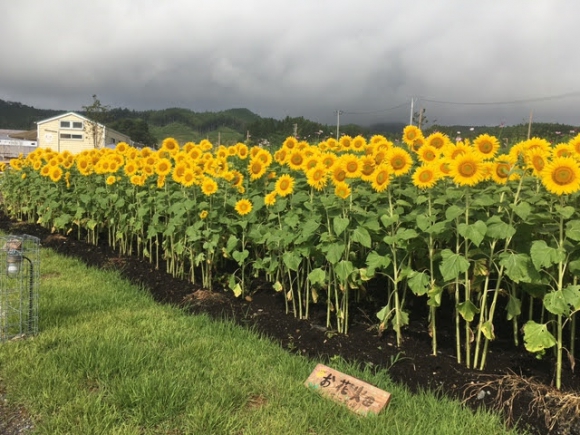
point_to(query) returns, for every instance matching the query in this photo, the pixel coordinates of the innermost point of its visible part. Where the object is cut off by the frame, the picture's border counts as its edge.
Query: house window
(71, 136)
(77, 125)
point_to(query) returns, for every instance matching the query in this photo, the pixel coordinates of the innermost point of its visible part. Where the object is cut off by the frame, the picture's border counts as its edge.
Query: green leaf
(434, 295)
(406, 234)
(317, 276)
(335, 252)
(523, 210)
(484, 201)
(566, 212)
(423, 222)
(474, 232)
(572, 296)
(544, 255)
(573, 230)
(240, 256)
(468, 310)
(555, 303)
(453, 212)
(377, 261)
(537, 337)
(292, 220)
(340, 224)
(292, 260)
(452, 264)
(400, 320)
(232, 243)
(498, 229)
(343, 270)
(487, 330)
(519, 267)
(418, 282)
(362, 236)
(513, 307)
(387, 220)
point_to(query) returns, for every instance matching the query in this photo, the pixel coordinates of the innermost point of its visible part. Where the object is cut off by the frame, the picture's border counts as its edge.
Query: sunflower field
(495, 230)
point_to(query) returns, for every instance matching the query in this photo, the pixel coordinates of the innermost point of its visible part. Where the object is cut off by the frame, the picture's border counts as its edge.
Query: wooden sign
(359, 396)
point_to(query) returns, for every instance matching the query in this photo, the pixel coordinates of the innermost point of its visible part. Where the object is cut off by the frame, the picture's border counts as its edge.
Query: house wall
(77, 137)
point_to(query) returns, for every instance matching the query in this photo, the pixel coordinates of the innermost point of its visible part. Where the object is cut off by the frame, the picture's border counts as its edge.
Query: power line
(500, 103)
(375, 111)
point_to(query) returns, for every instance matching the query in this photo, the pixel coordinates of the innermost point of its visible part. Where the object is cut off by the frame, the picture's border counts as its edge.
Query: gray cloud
(299, 58)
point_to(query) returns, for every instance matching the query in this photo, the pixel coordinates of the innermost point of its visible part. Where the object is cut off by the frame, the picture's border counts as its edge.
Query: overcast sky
(497, 61)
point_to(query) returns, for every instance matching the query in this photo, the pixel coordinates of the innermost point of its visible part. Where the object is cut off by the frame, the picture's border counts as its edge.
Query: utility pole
(337, 123)
(412, 108)
(295, 131)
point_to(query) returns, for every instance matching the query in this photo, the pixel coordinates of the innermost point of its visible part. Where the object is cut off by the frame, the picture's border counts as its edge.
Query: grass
(109, 360)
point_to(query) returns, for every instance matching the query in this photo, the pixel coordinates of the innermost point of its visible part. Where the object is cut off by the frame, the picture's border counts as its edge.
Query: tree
(97, 116)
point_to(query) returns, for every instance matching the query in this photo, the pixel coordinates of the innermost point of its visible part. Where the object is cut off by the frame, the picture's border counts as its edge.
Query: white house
(16, 142)
(75, 133)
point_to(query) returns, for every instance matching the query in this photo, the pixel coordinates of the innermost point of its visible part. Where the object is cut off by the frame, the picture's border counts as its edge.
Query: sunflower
(256, 169)
(501, 170)
(16, 164)
(342, 190)
(410, 134)
(351, 165)
(377, 138)
(148, 170)
(536, 160)
(399, 160)
(243, 207)
(290, 143)
(317, 177)
(562, 150)
(67, 179)
(137, 180)
(381, 178)
(466, 169)
(45, 171)
(203, 214)
(237, 178)
(452, 151)
(575, 144)
(265, 157)
(284, 185)
(486, 146)
(337, 173)
(561, 176)
(55, 173)
(178, 172)
(296, 159)
(428, 153)
(111, 179)
(281, 155)
(163, 167)
(380, 155)
(426, 176)
(209, 186)
(161, 181)
(367, 167)
(188, 178)
(194, 153)
(170, 145)
(345, 142)
(310, 162)
(121, 147)
(437, 140)
(328, 159)
(84, 165)
(205, 145)
(270, 199)
(358, 143)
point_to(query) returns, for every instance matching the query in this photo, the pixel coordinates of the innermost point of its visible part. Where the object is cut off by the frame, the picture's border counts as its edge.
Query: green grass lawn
(109, 360)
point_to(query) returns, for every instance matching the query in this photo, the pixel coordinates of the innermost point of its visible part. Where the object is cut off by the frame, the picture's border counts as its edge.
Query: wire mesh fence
(19, 283)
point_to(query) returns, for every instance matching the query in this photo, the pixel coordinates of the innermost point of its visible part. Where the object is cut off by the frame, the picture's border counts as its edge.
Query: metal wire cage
(19, 282)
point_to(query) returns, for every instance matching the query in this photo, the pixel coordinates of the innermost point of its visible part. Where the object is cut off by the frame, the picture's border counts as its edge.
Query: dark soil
(514, 382)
